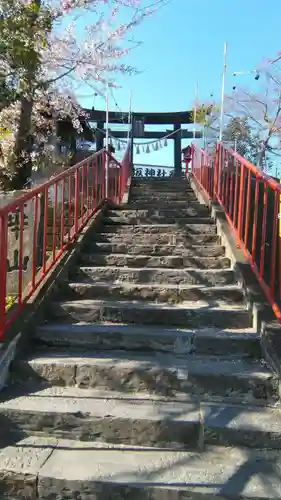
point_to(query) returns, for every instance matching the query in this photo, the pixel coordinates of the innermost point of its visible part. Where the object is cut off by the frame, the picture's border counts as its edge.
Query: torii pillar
(99, 136)
(177, 149)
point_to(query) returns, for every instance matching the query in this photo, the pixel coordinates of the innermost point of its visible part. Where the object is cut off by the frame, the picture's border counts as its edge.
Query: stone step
(185, 201)
(158, 214)
(157, 250)
(172, 239)
(82, 414)
(187, 314)
(168, 186)
(155, 199)
(171, 294)
(129, 260)
(135, 204)
(137, 221)
(179, 184)
(140, 192)
(174, 229)
(236, 342)
(186, 276)
(164, 191)
(46, 468)
(157, 373)
(160, 181)
(121, 419)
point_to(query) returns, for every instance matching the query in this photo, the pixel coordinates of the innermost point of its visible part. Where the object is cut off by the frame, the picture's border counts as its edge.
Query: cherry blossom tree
(48, 50)
(262, 109)
(259, 108)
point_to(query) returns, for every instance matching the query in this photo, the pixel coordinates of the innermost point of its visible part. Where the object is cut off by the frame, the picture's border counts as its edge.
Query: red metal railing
(37, 227)
(250, 200)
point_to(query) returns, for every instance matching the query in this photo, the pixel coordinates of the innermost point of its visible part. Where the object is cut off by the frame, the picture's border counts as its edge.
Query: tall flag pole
(223, 89)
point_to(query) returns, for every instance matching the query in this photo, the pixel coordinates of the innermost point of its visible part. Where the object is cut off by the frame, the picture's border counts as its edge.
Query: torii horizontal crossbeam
(180, 117)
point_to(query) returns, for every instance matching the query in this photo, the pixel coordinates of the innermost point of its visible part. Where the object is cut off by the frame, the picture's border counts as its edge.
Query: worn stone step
(135, 203)
(162, 197)
(48, 468)
(137, 221)
(174, 229)
(148, 261)
(187, 314)
(168, 186)
(164, 205)
(172, 239)
(82, 414)
(186, 276)
(163, 193)
(156, 373)
(172, 191)
(156, 186)
(121, 419)
(172, 294)
(165, 184)
(157, 250)
(243, 342)
(159, 214)
(158, 180)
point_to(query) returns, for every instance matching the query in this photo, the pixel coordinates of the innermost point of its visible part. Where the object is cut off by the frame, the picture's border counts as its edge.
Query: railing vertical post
(45, 228)
(241, 200)
(34, 251)
(192, 157)
(62, 215)
(255, 219)
(3, 272)
(20, 256)
(247, 210)
(216, 170)
(76, 200)
(106, 174)
(274, 244)
(263, 237)
(102, 176)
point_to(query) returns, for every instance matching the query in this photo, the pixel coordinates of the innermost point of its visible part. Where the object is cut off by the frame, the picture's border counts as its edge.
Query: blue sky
(183, 43)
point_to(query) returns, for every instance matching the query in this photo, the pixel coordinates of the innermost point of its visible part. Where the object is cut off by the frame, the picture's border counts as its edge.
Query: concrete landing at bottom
(72, 469)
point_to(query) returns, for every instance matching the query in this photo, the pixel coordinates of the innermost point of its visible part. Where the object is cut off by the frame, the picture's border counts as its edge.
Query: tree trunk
(261, 160)
(21, 167)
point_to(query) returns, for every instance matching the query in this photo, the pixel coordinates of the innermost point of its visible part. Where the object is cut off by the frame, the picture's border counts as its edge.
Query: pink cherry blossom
(67, 57)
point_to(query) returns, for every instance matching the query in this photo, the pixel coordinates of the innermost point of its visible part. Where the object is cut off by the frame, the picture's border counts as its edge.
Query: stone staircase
(146, 381)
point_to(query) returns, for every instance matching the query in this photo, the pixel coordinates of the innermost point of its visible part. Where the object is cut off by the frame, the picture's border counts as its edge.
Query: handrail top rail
(23, 198)
(10, 207)
(275, 186)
